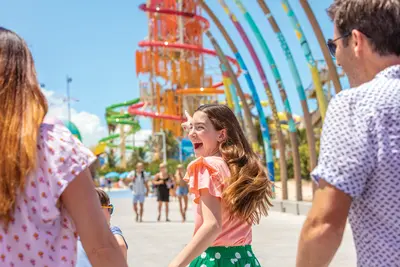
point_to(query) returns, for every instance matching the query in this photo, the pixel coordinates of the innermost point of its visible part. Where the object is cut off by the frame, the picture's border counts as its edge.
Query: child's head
(106, 205)
(215, 127)
(215, 130)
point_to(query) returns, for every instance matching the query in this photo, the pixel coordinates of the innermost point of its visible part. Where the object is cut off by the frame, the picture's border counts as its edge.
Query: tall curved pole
(299, 85)
(267, 88)
(322, 43)
(263, 121)
(239, 91)
(282, 91)
(322, 102)
(231, 89)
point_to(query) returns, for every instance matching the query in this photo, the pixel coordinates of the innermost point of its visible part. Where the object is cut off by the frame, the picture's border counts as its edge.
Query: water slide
(115, 118)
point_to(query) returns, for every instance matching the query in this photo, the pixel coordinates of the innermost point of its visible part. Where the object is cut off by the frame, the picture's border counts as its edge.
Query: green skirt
(240, 256)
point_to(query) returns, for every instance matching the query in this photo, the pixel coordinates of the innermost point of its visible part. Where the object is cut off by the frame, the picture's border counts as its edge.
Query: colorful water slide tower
(170, 64)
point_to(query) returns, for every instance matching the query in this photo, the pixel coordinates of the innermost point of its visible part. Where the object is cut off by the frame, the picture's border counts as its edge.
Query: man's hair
(379, 20)
(104, 198)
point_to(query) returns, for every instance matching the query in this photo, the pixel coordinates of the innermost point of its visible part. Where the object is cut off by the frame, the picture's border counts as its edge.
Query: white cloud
(90, 125)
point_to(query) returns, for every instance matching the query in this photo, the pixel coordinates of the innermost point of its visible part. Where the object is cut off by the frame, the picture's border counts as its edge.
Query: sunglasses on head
(110, 208)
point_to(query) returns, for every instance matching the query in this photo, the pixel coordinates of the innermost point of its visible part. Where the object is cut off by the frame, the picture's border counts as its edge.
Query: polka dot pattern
(360, 155)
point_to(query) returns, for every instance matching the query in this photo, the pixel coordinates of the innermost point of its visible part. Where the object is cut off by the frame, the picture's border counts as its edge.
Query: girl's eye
(199, 128)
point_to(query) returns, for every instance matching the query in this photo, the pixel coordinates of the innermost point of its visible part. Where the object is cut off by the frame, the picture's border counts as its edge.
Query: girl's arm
(210, 207)
(122, 245)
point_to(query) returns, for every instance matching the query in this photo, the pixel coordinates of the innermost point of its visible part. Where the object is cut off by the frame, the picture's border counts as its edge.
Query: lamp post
(164, 138)
(69, 80)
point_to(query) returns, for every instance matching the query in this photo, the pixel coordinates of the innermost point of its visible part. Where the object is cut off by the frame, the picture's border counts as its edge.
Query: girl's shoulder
(215, 163)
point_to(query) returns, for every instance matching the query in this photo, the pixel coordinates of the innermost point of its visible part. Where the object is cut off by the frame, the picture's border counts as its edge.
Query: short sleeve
(206, 173)
(62, 157)
(117, 231)
(345, 159)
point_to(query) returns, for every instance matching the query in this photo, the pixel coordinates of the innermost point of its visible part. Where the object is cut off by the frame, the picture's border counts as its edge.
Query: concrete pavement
(154, 244)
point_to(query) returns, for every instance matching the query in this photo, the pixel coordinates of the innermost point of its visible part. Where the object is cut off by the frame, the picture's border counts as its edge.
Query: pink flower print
(62, 160)
(62, 148)
(36, 236)
(45, 209)
(47, 242)
(33, 262)
(1, 238)
(9, 248)
(44, 159)
(50, 171)
(28, 246)
(16, 238)
(74, 161)
(19, 208)
(30, 218)
(65, 237)
(52, 248)
(50, 138)
(73, 172)
(24, 228)
(21, 256)
(49, 233)
(3, 257)
(34, 210)
(41, 180)
(5, 230)
(64, 259)
(33, 199)
(25, 201)
(74, 151)
(64, 247)
(44, 195)
(12, 220)
(51, 258)
(51, 150)
(75, 234)
(38, 147)
(33, 184)
(40, 254)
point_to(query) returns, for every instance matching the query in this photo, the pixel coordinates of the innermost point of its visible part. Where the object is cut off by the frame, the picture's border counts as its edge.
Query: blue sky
(95, 42)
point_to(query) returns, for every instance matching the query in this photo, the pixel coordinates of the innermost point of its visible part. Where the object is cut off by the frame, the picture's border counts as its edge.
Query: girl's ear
(222, 135)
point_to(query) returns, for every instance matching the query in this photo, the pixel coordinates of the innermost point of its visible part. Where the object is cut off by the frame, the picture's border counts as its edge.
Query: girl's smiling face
(204, 137)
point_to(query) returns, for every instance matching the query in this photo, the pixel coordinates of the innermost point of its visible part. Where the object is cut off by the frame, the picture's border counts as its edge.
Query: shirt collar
(392, 72)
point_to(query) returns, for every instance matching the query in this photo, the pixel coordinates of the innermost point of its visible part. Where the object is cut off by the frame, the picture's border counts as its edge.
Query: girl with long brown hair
(47, 195)
(231, 189)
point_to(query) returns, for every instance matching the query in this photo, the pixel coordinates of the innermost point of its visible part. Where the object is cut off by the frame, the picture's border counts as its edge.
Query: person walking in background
(140, 189)
(182, 191)
(108, 210)
(231, 189)
(164, 182)
(47, 195)
(358, 171)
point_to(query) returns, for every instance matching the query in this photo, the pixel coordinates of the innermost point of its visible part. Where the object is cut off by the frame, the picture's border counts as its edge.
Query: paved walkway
(154, 244)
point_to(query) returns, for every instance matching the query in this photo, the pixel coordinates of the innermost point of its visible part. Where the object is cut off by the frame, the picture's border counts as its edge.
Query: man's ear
(222, 135)
(359, 41)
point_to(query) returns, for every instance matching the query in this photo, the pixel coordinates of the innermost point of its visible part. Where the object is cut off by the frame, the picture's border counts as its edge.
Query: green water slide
(115, 117)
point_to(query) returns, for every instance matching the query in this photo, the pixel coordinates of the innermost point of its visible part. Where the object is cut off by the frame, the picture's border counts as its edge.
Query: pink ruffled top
(211, 173)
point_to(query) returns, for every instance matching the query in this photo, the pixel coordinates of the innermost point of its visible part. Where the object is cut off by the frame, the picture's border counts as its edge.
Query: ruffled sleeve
(206, 173)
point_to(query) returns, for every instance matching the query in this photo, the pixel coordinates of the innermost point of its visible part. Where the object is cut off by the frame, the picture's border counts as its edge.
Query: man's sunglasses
(332, 44)
(110, 208)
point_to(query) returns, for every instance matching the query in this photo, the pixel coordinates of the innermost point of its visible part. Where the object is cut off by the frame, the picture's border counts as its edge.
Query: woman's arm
(122, 245)
(210, 229)
(82, 203)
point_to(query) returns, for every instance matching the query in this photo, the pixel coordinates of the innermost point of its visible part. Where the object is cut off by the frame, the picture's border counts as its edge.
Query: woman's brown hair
(22, 109)
(249, 188)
